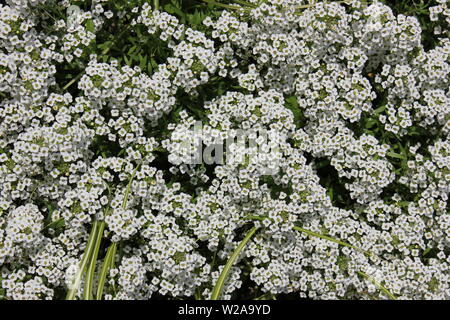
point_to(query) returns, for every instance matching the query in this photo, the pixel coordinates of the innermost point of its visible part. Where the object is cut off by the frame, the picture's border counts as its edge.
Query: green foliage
(134, 46)
(419, 9)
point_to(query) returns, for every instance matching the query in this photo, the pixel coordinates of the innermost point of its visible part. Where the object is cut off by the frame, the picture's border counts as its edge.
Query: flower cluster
(345, 172)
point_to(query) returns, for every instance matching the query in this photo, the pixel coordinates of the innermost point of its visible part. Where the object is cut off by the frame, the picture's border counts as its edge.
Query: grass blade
(107, 263)
(319, 235)
(222, 5)
(245, 3)
(226, 270)
(322, 236)
(86, 255)
(71, 82)
(111, 252)
(128, 188)
(88, 285)
(342, 243)
(379, 285)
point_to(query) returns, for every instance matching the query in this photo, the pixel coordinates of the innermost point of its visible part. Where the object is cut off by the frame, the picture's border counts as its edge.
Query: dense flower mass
(100, 198)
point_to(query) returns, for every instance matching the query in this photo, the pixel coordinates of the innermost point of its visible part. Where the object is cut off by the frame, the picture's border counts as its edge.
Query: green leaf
(291, 103)
(89, 281)
(82, 266)
(142, 62)
(226, 270)
(107, 264)
(127, 61)
(132, 49)
(325, 237)
(379, 285)
(319, 235)
(90, 26)
(57, 224)
(395, 155)
(169, 8)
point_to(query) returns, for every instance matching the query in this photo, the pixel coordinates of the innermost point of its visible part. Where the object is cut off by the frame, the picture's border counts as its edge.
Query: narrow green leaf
(55, 224)
(319, 235)
(82, 266)
(90, 26)
(395, 155)
(218, 4)
(107, 263)
(325, 237)
(132, 49)
(89, 282)
(71, 82)
(315, 234)
(128, 188)
(142, 61)
(226, 270)
(245, 3)
(127, 61)
(380, 109)
(111, 252)
(379, 285)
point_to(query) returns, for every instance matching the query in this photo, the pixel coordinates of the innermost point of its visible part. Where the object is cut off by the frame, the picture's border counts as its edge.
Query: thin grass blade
(82, 266)
(107, 264)
(89, 283)
(226, 270)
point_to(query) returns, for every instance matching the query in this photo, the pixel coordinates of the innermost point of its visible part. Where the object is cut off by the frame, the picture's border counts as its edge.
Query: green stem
(319, 235)
(245, 3)
(86, 255)
(111, 252)
(52, 223)
(379, 110)
(128, 189)
(71, 82)
(305, 6)
(48, 13)
(226, 270)
(225, 6)
(197, 294)
(265, 296)
(395, 155)
(342, 243)
(156, 4)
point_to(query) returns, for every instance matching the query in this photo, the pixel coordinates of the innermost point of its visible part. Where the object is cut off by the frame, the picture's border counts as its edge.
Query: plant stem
(128, 189)
(245, 3)
(71, 82)
(319, 235)
(342, 243)
(52, 223)
(395, 155)
(111, 252)
(226, 6)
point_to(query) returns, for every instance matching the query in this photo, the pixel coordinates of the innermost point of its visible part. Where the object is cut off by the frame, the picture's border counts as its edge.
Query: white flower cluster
(349, 191)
